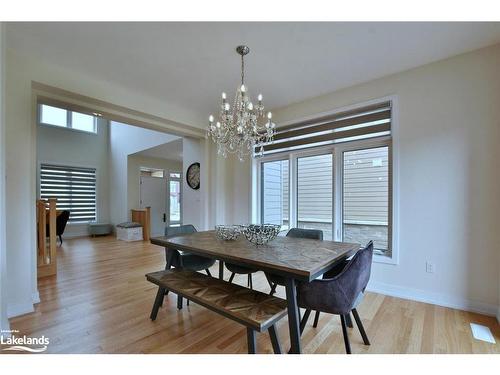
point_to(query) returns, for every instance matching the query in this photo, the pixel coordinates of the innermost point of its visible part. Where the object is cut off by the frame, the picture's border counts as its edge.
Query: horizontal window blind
(74, 188)
(362, 123)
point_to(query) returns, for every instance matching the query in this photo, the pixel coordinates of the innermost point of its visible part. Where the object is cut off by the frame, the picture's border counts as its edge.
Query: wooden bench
(256, 310)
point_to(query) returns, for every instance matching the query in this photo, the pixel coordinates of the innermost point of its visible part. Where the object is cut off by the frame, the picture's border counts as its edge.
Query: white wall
(21, 158)
(192, 204)
(135, 162)
(126, 140)
(448, 131)
(4, 323)
(75, 148)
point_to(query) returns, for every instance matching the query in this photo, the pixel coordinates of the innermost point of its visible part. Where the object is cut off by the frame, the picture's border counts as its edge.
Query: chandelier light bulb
(259, 98)
(210, 119)
(226, 107)
(250, 106)
(217, 125)
(243, 89)
(223, 96)
(269, 115)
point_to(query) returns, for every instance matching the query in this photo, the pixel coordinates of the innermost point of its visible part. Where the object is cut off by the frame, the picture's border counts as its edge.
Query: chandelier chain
(242, 69)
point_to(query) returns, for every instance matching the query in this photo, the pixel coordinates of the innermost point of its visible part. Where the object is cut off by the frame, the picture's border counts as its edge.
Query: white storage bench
(129, 231)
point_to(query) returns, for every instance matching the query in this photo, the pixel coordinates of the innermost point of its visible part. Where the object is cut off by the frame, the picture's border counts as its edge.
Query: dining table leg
(293, 315)
(221, 270)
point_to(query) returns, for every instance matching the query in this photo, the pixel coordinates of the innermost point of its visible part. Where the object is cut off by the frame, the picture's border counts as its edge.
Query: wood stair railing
(46, 250)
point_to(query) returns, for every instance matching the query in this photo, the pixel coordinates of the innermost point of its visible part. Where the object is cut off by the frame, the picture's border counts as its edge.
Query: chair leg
(273, 289)
(60, 239)
(303, 322)
(248, 280)
(208, 272)
(348, 320)
(252, 341)
(157, 303)
(251, 280)
(274, 340)
(187, 302)
(360, 327)
(231, 277)
(316, 319)
(344, 332)
(179, 302)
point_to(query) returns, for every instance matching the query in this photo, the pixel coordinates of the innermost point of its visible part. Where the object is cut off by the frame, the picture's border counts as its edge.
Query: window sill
(378, 258)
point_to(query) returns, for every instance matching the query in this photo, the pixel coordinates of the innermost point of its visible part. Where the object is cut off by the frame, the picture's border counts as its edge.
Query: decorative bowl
(260, 234)
(228, 232)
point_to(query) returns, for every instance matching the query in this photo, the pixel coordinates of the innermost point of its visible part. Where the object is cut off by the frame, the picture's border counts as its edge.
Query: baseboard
(433, 298)
(36, 297)
(17, 309)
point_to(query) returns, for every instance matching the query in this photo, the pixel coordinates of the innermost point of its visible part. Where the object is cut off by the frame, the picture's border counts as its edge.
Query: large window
(55, 116)
(275, 193)
(341, 177)
(73, 187)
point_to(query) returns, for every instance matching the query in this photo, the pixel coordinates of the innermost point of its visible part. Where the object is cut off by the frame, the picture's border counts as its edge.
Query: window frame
(337, 151)
(69, 120)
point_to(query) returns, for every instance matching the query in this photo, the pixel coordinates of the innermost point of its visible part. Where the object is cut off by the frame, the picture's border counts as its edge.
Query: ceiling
(171, 150)
(190, 64)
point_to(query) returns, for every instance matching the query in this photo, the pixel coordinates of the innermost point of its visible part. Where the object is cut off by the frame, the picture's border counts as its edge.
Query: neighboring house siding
(272, 193)
(366, 186)
(314, 188)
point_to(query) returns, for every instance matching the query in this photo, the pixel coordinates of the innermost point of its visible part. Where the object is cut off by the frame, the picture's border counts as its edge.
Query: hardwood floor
(100, 303)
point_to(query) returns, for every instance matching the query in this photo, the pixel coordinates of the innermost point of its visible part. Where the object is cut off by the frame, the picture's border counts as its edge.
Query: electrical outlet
(429, 267)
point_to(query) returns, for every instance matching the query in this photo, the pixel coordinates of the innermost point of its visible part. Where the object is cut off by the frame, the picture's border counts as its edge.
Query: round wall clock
(193, 176)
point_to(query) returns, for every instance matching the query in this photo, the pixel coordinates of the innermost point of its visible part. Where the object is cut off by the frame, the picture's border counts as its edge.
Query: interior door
(154, 195)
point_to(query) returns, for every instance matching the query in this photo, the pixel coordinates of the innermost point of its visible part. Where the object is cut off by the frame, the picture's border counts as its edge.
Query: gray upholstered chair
(183, 259)
(241, 270)
(339, 292)
(312, 234)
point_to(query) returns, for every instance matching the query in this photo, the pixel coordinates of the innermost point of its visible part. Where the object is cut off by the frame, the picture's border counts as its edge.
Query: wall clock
(193, 176)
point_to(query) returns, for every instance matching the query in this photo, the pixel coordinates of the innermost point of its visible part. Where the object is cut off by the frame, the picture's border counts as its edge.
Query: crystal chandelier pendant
(244, 126)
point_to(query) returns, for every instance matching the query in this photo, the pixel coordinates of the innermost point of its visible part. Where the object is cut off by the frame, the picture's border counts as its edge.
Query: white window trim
(337, 150)
(179, 179)
(68, 121)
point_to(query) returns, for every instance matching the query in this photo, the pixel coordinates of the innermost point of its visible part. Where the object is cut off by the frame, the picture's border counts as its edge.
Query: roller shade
(74, 188)
(362, 123)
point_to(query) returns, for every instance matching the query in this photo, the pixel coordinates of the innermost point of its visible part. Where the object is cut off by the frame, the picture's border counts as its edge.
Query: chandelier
(243, 126)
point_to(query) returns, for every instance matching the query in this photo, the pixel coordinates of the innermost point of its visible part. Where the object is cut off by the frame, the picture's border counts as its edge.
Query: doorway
(161, 192)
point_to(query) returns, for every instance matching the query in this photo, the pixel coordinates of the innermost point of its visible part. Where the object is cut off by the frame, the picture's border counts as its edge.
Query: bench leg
(231, 277)
(221, 270)
(179, 302)
(157, 303)
(252, 341)
(273, 289)
(274, 340)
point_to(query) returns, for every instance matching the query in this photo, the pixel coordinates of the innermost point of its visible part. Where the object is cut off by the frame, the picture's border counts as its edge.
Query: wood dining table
(295, 259)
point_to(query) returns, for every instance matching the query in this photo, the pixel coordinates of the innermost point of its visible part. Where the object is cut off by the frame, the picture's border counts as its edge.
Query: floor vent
(482, 333)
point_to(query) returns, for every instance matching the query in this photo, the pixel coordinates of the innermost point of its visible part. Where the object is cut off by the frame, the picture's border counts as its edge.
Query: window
(73, 187)
(341, 177)
(174, 191)
(366, 197)
(152, 172)
(314, 193)
(275, 193)
(54, 116)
